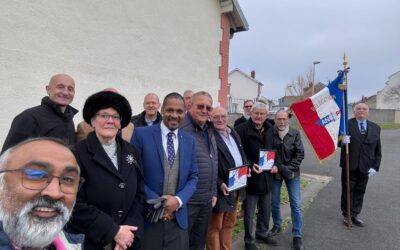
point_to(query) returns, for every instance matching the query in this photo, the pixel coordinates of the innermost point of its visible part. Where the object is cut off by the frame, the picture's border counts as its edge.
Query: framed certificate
(237, 177)
(266, 159)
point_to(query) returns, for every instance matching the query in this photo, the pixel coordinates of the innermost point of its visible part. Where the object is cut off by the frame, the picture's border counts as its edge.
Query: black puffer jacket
(43, 120)
(207, 160)
(252, 142)
(290, 150)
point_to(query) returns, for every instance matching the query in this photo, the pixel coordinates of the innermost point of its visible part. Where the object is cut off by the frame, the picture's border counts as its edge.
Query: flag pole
(344, 98)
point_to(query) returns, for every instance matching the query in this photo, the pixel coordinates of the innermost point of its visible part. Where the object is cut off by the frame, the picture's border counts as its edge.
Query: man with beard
(290, 154)
(39, 179)
(247, 105)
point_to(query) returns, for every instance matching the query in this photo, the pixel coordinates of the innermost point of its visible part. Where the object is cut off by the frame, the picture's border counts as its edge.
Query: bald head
(61, 90)
(151, 105)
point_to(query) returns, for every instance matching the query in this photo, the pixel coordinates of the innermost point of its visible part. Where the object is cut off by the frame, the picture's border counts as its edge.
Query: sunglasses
(202, 107)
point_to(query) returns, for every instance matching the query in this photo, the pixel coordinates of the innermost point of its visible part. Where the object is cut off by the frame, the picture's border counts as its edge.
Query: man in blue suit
(170, 172)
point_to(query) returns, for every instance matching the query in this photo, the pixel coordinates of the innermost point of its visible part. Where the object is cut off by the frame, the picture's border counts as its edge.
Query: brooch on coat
(130, 159)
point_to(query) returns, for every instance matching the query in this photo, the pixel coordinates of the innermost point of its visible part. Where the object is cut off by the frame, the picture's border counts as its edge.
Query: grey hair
(6, 154)
(201, 93)
(248, 100)
(149, 94)
(259, 105)
(355, 105)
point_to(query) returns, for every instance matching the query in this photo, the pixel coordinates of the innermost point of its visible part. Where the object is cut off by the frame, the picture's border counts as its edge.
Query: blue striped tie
(170, 149)
(362, 128)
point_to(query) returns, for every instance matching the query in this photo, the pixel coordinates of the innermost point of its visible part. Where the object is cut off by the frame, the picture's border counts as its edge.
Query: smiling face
(201, 108)
(361, 111)
(258, 116)
(61, 90)
(173, 112)
(219, 117)
(151, 104)
(32, 218)
(106, 124)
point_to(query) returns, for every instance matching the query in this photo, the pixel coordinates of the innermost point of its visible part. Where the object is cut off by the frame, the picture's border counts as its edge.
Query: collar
(359, 121)
(68, 113)
(225, 133)
(196, 124)
(165, 130)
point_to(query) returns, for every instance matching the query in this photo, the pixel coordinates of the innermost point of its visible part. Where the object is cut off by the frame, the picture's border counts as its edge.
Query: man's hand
(166, 217)
(224, 189)
(371, 172)
(256, 169)
(171, 204)
(274, 170)
(124, 237)
(346, 139)
(213, 201)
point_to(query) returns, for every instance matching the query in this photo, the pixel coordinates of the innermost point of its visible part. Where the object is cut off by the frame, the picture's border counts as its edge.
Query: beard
(27, 230)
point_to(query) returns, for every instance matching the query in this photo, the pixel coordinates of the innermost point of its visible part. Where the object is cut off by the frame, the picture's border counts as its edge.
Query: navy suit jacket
(148, 141)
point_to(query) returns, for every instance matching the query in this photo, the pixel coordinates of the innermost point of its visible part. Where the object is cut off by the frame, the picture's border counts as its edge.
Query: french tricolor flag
(321, 117)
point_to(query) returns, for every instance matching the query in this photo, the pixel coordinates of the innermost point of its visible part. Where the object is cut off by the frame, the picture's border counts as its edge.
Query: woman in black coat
(110, 205)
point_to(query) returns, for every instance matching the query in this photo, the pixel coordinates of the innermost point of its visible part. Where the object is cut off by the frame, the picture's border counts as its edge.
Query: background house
(385, 105)
(134, 46)
(242, 87)
(389, 96)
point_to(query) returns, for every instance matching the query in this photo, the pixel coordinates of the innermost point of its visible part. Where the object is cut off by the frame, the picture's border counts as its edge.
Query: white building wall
(241, 88)
(389, 96)
(135, 46)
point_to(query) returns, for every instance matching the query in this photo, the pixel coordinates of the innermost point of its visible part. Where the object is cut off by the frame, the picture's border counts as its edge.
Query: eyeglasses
(202, 107)
(219, 117)
(38, 179)
(107, 117)
(248, 106)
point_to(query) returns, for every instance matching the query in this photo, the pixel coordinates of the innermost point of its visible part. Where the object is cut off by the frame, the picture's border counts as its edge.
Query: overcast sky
(286, 36)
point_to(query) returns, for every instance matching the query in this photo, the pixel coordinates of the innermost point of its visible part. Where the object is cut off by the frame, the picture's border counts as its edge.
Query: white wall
(389, 96)
(242, 86)
(136, 46)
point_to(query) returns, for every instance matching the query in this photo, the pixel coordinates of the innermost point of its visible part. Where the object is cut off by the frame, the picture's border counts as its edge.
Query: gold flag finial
(345, 60)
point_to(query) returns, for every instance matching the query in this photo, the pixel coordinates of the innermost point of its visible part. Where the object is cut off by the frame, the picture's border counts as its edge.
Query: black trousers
(165, 236)
(199, 216)
(358, 184)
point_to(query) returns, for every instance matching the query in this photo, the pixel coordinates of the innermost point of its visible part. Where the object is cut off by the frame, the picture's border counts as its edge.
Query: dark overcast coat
(109, 197)
(43, 120)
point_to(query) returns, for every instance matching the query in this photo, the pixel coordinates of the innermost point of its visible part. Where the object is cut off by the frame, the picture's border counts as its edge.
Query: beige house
(134, 46)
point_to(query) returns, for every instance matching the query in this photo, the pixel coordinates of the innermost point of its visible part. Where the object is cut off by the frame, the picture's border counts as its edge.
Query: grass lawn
(239, 226)
(389, 125)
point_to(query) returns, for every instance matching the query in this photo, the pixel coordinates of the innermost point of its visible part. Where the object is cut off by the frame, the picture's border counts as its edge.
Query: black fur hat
(104, 100)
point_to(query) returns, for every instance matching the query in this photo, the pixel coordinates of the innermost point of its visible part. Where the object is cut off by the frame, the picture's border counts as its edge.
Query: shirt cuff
(180, 202)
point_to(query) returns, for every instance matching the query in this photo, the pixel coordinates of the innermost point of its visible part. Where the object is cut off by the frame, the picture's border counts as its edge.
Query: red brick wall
(223, 69)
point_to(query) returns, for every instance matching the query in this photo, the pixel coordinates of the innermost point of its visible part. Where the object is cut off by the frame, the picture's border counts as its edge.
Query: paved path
(323, 227)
